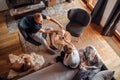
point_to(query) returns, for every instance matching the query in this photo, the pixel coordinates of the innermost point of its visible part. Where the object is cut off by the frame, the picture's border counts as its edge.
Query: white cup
(63, 32)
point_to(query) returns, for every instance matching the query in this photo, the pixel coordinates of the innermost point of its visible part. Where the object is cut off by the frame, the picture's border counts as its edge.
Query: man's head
(38, 18)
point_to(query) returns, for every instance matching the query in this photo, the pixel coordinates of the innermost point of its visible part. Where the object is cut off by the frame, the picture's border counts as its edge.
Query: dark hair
(37, 15)
(67, 50)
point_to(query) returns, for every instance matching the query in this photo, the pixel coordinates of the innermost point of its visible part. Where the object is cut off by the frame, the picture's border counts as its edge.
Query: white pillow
(104, 75)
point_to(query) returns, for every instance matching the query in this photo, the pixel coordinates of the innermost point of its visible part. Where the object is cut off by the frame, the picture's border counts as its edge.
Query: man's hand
(61, 26)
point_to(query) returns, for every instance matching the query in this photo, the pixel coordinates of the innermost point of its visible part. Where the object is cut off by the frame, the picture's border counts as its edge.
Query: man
(37, 32)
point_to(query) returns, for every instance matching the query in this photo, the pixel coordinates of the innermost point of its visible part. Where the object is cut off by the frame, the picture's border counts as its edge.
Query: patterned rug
(56, 11)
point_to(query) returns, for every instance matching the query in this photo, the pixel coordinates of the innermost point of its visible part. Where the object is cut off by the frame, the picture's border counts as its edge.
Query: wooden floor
(91, 36)
(9, 43)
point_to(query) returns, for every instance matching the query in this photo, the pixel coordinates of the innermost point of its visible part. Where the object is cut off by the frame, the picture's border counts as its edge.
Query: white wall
(107, 12)
(3, 5)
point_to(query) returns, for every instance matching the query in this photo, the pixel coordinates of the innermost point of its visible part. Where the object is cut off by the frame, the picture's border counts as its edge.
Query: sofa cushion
(104, 75)
(55, 71)
(83, 74)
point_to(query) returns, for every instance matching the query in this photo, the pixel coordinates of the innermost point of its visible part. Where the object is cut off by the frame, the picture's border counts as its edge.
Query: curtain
(112, 21)
(98, 11)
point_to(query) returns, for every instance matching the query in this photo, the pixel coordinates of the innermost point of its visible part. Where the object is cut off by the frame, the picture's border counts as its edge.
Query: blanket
(90, 58)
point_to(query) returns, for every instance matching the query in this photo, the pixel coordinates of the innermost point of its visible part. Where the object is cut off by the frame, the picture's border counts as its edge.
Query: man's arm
(55, 21)
(48, 31)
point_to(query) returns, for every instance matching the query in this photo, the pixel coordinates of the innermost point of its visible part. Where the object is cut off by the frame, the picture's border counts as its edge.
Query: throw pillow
(104, 75)
(83, 74)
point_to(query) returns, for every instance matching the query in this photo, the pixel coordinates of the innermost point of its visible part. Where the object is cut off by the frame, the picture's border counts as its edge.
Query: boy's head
(38, 18)
(67, 49)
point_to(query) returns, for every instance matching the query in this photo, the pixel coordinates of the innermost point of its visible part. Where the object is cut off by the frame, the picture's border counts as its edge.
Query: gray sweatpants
(38, 37)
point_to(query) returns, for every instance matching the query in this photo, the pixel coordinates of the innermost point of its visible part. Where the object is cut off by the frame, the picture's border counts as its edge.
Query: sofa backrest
(55, 71)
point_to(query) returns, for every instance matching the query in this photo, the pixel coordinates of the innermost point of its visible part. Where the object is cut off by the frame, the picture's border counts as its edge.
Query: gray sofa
(55, 71)
(58, 71)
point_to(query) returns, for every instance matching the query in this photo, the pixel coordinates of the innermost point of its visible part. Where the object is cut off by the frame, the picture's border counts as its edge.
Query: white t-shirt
(73, 60)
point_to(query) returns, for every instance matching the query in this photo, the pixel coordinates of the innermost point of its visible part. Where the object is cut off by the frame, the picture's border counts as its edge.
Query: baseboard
(117, 34)
(90, 6)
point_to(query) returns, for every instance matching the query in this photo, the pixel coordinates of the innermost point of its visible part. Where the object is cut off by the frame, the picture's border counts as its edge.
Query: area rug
(55, 11)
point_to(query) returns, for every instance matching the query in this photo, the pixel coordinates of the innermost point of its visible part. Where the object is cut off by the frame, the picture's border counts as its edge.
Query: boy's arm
(65, 60)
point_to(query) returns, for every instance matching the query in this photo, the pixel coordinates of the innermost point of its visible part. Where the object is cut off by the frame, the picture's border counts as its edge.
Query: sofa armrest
(105, 68)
